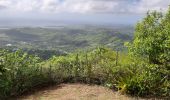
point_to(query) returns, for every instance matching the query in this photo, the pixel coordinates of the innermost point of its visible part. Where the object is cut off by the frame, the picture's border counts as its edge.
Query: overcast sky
(90, 11)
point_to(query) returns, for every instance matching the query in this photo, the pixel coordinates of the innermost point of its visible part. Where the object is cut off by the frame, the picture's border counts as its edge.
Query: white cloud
(5, 3)
(84, 6)
(144, 5)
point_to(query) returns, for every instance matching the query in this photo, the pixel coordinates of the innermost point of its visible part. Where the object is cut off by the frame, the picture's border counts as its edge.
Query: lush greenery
(65, 38)
(143, 71)
(152, 38)
(42, 54)
(20, 72)
(152, 42)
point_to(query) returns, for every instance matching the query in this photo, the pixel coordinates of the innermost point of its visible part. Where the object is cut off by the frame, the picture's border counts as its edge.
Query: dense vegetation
(65, 38)
(152, 42)
(42, 54)
(144, 71)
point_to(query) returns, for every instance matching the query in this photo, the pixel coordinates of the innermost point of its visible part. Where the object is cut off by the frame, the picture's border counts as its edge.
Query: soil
(75, 92)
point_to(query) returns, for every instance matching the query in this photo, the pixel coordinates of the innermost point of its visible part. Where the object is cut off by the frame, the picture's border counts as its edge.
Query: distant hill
(67, 38)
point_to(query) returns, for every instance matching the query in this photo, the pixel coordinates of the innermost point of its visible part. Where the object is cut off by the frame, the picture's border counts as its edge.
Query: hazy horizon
(95, 12)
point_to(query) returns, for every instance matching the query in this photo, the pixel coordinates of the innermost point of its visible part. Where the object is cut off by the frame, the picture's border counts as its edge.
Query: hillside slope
(66, 38)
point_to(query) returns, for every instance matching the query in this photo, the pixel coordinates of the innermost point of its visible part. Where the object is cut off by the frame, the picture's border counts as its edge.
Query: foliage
(19, 72)
(90, 67)
(151, 43)
(152, 38)
(142, 79)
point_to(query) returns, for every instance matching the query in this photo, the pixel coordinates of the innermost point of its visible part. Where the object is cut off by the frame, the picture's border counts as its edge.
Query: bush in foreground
(20, 72)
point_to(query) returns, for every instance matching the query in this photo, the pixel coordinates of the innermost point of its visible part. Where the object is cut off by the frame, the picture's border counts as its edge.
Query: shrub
(19, 73)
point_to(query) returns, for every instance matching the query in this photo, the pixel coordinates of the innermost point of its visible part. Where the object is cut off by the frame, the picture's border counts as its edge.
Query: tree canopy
(152, 38)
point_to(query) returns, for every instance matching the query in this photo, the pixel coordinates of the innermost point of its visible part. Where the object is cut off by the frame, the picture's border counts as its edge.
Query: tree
(152, 38)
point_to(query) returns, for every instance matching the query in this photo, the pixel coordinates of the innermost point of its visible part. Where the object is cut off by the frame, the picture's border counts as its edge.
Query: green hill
(67, 38)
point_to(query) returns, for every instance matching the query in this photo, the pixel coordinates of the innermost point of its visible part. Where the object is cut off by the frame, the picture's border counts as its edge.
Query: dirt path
(75, 92)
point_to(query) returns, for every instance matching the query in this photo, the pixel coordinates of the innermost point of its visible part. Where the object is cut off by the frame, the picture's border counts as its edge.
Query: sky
(30, 12)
